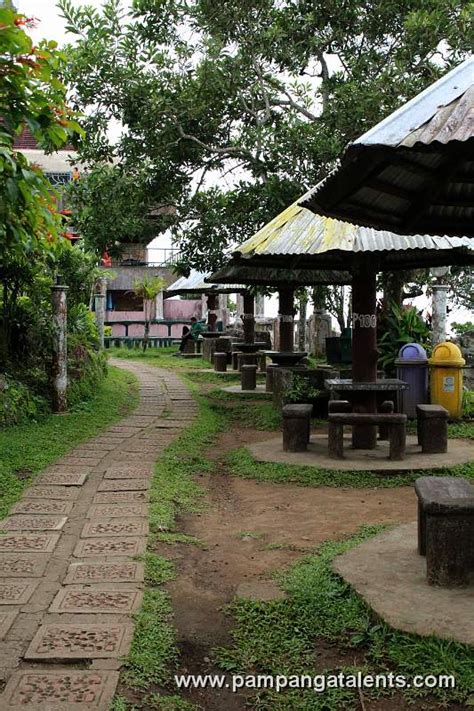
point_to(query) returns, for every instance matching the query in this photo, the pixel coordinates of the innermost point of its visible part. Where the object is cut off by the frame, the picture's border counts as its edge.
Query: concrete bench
(296, 427)
(446, 529)
(220, 362)
(248, 377)
(395, 423)
(432, 428)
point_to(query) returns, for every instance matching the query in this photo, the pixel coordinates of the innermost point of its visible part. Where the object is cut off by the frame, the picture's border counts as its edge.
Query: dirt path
(69, 582)
(248, 530)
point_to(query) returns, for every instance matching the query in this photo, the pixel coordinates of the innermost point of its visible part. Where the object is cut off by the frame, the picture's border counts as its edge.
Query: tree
(32, 95)
(231, 119)
(148, 289)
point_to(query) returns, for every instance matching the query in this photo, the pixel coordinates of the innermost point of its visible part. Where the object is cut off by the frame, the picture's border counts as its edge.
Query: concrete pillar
(211, 311)
(100, 306)
(239, 300)
(59, 366)
(260, 306)
(364, 351)
(160, 305)
(439, 306)
(286, 316)
(248, 318)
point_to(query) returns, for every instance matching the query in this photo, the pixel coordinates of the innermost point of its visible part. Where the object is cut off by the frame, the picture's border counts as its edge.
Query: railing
(170, 256)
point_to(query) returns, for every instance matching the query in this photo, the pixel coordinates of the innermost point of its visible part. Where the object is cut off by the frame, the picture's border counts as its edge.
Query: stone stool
(247, 359)
(296, 427)
(339, 406)
(269, 377)
(386, 408)
(220, 362)
(432, 428)
(235, 360)
(248, 377)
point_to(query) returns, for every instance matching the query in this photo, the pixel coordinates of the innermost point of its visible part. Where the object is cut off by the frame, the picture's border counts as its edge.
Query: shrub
(397, 327)
(18, 404)
(87, 368)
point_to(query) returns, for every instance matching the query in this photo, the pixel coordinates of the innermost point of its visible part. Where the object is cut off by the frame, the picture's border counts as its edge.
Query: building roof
(26, 140)
(414, 171)
(297, 238)
(195, 284)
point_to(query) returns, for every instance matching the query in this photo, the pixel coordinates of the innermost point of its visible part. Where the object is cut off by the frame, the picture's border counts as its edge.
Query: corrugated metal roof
(438, 113)
(195, 284)
(298, 231)
(414, 171)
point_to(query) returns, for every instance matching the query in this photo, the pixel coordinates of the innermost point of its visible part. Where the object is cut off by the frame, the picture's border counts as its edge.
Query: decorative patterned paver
(7, 618)
(28, 565)
(112, 497)
(127, 471)
(115, 527)
(33, 523)
(104, 584)
(65, 690)
(117, 510)
(124, 485)
(87, 599)
(42, 506)
(126, 572)
(87, 641)
(23, 542)
(92, 547)
(65, 493)
(63, 478)
(16, 591)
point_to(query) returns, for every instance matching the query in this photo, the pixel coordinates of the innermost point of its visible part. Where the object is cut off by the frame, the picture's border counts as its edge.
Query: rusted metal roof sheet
(298, 231)
(414, 171)
(442, 112)
(195, 284)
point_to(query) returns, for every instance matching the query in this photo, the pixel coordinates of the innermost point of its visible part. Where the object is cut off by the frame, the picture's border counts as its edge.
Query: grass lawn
(283, 637)
(28, 448)
(161, 357)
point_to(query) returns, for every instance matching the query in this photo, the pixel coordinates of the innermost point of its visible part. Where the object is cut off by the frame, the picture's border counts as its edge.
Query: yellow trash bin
(446, 365)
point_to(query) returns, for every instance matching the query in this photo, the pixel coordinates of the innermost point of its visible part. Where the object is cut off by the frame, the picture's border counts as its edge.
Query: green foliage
(18, 404)
(282, 637)
(398, 326)
(31, 446)
(301, 390)
(87, 368)
(230, 122)
(461, 328)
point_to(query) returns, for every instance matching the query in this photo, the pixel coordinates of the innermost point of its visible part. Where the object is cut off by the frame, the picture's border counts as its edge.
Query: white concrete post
(99, 301)
(440, 310)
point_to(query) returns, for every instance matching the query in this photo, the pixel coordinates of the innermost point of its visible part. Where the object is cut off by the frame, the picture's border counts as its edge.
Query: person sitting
(197, 327)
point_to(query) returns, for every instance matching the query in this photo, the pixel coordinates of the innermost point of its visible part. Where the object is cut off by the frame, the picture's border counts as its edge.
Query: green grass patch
(241, 463)
(154, 652)
(259, 414)
(161, 357)
(28, 448)
(282, 636)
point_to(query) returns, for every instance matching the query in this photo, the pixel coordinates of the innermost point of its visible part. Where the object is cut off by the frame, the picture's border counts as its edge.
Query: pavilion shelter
(195, 284)
(414, 171)
(298, 239)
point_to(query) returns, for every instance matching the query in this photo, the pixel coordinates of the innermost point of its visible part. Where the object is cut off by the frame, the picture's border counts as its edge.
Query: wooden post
(248, 318)
(364, 351)
(59, 365)
(211, 311)
(286, 316)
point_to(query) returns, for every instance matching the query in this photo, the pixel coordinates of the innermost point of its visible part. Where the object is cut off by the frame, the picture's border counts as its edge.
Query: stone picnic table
(356, 392)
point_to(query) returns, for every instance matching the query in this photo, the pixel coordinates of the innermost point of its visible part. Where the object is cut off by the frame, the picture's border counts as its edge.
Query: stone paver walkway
(69, 580)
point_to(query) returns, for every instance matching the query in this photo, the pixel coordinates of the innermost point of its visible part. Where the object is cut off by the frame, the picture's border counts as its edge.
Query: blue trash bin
(412, 368)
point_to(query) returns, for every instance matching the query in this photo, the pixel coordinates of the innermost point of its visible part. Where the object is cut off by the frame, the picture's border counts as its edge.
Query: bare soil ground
(248, 530)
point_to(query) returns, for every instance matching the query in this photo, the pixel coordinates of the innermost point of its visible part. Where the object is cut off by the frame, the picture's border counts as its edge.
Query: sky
(52, 25)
